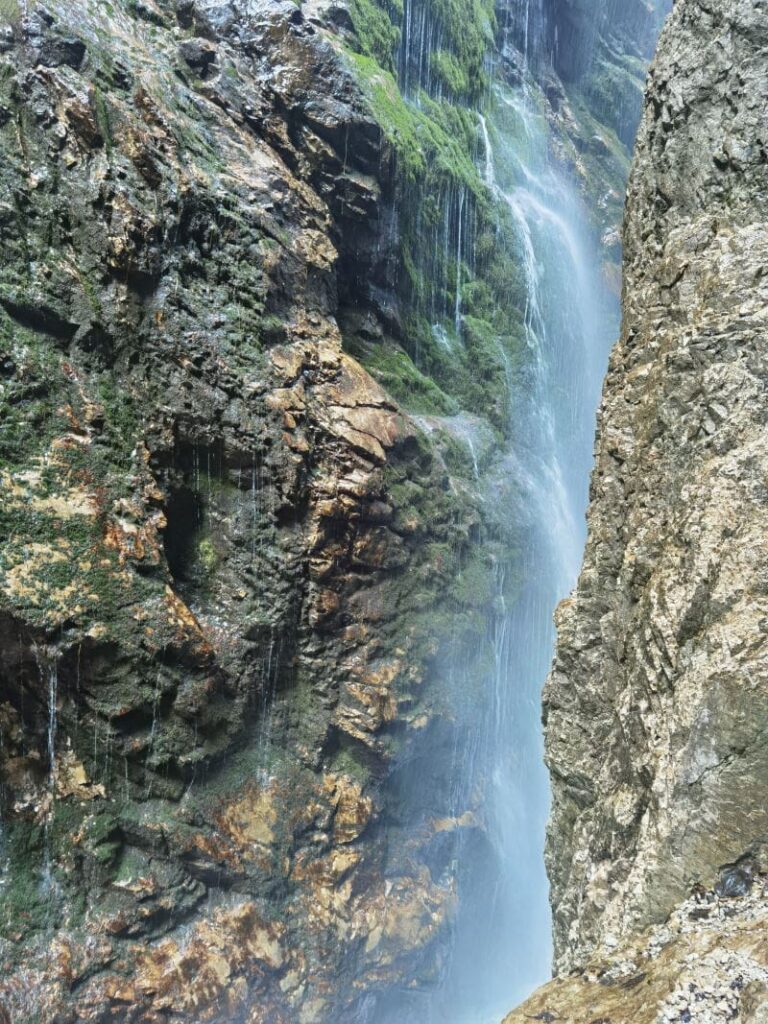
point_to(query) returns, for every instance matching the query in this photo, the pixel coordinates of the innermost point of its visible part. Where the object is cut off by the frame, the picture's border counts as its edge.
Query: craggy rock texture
(209, 512)
(707, 964)
(246, 602)
(656, 709)
(239, 586)
(603, 46)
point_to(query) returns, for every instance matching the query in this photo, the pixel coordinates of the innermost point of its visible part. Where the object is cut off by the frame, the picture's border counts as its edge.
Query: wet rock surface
(656, 707)
(209, 653)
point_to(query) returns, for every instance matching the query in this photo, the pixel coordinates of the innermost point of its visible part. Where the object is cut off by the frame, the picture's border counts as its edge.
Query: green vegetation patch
(433, 140)
(449, 72)
(469, 28)
(377, 29)
(395, 370)
(459, 283)
(10, 11)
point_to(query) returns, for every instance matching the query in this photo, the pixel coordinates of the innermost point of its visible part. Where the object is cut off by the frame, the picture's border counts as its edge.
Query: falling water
(48, 671)
(501, 946)
(270, 670)
(459, 254)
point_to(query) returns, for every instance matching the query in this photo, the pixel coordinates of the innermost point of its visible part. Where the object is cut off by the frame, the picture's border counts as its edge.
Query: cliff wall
(209, 652)
(656, 708)
(258, 309)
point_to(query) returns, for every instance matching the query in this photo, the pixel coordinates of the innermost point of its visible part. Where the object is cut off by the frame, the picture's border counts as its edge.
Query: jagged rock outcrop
(656, 708)
(208, 651)
(706, 965)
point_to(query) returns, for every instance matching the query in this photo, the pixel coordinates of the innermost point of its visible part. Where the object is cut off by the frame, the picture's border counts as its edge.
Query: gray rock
(57, 51)
(656, 707)
(198, 53)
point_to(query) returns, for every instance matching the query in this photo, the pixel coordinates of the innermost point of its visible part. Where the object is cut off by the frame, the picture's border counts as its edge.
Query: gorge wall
(209, 652)
(656, 707)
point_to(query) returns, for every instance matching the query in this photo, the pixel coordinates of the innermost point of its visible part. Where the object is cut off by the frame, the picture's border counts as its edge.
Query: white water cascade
(501, 946)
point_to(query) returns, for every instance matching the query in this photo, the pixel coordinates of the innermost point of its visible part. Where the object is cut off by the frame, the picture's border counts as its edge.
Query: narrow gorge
(306, 307)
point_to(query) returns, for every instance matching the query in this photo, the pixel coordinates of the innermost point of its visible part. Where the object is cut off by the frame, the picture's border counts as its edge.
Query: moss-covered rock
(211, 648)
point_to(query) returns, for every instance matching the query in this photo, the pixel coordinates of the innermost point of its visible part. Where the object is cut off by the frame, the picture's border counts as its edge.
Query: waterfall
(501, 942)
(48, 671)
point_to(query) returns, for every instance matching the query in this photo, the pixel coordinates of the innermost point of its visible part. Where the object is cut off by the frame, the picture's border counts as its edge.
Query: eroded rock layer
(656, 710)
(708, 964)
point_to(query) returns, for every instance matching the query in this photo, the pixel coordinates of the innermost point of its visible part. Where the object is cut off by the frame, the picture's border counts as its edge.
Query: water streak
(48, 671)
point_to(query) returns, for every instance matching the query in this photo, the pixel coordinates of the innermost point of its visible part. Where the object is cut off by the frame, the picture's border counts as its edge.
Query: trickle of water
(459, 253)
(441, 336)
(48, 670)
(53, 687)
(254, 508)
(490, 174)
(269, 679)
(152, 735)
(196, 469)
(529, 17)
(108, 737)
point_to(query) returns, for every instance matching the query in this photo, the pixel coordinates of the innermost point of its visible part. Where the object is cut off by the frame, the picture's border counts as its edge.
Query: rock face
(603, 47)
(656, 710)
(706, 965)
(209, 653)
(236, 577)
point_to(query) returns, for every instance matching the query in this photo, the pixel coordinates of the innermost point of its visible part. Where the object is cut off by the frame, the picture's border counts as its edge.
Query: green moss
(132, 863)
(10, 11)
(376, 35)
(606, 162)
(473, 585)
(102, 838)
(395, 370)
(207, 555)
(468, 27)
(398, 121)
(449, 72)
(612, 89)
(433, 140)
(102, 118)
(23, 908)
(352, 762)
(27, 902)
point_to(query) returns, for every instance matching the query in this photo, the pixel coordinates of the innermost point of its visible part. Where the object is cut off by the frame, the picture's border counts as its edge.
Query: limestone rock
(708, 964)
(657, 706)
